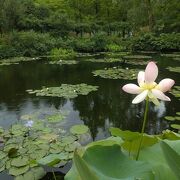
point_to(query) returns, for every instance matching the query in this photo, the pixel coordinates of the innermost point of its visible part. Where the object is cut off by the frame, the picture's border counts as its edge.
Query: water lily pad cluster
(176, 59)
(137, 57)
(116, 54)
(63, 62)
(176, 91)
(65, 90)
(136, 62)
(174, 118)
(16, 60)
(105, 60)
(48, 116)
(117, 73)
(171, 55)
(25, 149)
(174, 69)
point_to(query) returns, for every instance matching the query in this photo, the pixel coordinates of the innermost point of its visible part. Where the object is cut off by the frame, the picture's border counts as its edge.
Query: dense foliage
(34, 27)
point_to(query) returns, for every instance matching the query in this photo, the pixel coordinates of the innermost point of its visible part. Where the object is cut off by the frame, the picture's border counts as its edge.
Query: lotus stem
(143, 127)
(54, 176)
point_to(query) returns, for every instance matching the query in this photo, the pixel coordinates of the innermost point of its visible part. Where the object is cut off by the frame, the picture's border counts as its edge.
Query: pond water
(99, 110)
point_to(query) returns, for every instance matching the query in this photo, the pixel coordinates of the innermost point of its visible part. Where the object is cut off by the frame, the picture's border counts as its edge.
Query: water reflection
(107, 107)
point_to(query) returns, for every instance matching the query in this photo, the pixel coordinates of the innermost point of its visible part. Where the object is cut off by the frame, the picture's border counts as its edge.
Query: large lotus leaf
(132, 146)
(172, 157)
(107, 142)
(170, 135)
(107, 163)
(155, 156)
(79, 129)
(125, 135)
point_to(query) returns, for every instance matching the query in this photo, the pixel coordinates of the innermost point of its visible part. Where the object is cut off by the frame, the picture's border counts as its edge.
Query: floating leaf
(175, 126)
(137, 57)
(55, 118)
(19, 161)
(117, 73)
(79, 129)
(15, 171)
(66, 90)
(174, 69)
(170, 118)
(63, 62)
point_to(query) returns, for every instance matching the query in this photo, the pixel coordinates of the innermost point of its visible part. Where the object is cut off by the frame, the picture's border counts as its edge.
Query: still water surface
(107, 107)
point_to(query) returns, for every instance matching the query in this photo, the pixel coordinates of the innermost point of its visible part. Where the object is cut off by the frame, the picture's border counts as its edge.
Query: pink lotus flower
(148, 87)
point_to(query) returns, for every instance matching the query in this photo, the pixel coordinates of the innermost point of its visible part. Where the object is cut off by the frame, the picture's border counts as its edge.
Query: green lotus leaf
(178, 113)
(170, 135)
(125, 135)
(155, 156)
(15, 171)
(79, 129)
(175, 126)
(19, 162)
(111, 164)
(172, 157)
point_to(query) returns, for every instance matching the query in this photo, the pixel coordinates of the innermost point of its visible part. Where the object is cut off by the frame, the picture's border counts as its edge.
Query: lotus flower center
(149, 86)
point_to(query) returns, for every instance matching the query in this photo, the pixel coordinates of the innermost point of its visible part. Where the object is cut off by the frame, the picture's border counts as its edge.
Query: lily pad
(170, 118)
(64, 62)
(174, 69)
(176, 91)
(105, 60)
(65, 90)
(16, 60)
(19, 162)
(117, 73)
(15, 171)
(137, 57)
(79, 129)
(55, 118)
(175, 126)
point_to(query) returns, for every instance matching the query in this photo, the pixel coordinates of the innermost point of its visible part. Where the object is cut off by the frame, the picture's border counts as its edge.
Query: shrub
(115, 48)
(62, 53)
(150, 42)
(32, 43)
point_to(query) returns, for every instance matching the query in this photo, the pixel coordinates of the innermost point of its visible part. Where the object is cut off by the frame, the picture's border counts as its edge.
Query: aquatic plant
(174, 69)
(63, 62)
(116, 73)
(65, 90)
(26, 148)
